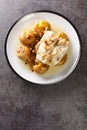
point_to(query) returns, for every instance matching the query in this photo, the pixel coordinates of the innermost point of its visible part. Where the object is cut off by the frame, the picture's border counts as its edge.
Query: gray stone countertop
(26, 106)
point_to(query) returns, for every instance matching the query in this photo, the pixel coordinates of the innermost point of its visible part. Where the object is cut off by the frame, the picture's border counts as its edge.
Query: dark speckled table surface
(26, 106)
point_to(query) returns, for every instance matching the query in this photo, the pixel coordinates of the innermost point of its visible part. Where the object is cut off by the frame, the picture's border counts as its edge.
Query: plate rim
(43, 11)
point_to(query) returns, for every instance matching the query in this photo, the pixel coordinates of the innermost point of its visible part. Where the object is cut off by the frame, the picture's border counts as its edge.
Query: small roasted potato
(63, 60)
(24, 53)
(63, 35)
(40, 68)
(41, 26)
(27, 37)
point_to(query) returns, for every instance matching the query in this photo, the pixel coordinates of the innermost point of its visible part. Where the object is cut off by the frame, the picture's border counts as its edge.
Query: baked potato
(40, 27)
(40, 68)
(63, 35)
(27, 38)
(24, 53)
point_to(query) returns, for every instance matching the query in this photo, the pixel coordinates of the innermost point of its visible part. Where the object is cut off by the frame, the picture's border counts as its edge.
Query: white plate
(58, 23)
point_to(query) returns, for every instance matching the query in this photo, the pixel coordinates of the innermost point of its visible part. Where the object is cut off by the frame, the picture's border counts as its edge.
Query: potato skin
(27, 37)
(63, 35)
(24, 53)
(40, 68)
(41, 26)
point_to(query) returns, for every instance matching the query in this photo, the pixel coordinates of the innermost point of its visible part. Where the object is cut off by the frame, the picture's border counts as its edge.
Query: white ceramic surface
(58, 23)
